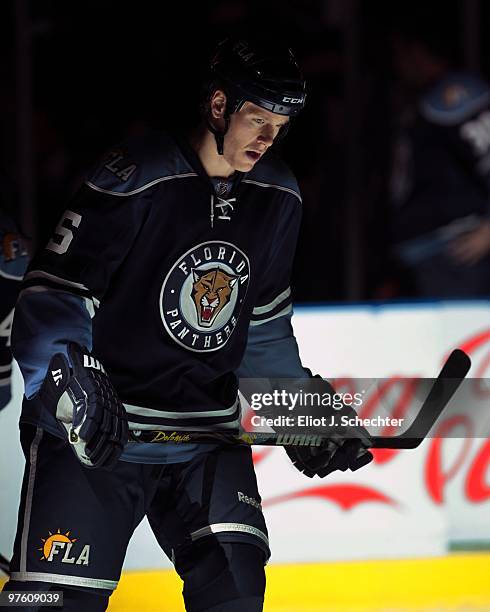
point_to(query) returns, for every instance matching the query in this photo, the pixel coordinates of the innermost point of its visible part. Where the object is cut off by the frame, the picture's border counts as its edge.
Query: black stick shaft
(4, 565)
(443, 389)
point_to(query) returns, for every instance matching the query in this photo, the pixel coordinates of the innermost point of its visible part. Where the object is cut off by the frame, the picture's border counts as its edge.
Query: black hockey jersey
(176, 269)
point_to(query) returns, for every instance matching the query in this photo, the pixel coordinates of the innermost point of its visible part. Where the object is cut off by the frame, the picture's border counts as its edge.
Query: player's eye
(259, 121)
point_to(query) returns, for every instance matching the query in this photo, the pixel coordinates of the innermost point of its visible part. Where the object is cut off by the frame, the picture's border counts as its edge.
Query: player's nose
(267, 135)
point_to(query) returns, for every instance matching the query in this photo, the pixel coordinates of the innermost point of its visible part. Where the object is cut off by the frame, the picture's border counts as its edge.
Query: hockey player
(13, 264)
(168, 273)
(440, 180)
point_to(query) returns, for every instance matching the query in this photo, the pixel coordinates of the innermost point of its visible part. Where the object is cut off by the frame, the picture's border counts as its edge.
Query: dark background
(80, 76)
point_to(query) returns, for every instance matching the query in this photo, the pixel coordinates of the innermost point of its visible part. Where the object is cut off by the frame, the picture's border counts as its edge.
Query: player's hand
(87, 407)
(336, 454)
(345, 448)
(472, 246)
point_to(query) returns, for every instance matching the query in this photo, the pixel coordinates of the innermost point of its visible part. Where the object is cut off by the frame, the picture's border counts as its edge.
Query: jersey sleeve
(272, 352)
(90, 242)
(275, 298)
(69, 277)
(45, 321)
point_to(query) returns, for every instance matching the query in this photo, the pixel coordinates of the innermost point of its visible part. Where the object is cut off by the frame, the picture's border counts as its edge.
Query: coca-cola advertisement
(416, 502)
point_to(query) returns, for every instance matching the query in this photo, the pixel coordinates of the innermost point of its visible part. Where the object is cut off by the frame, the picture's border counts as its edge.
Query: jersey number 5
(69, 220)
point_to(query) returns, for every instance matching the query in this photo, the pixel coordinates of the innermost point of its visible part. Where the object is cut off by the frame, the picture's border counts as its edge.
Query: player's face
(252, 131)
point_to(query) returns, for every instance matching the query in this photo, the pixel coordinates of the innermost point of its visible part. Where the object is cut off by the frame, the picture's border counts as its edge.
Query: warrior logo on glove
(87, 407)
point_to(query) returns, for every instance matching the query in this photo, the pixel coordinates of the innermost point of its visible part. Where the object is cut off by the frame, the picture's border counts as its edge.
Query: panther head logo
(211, 291)
(203, 294)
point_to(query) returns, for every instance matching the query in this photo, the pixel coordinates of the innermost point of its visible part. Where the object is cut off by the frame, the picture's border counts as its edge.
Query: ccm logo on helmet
(292, 100)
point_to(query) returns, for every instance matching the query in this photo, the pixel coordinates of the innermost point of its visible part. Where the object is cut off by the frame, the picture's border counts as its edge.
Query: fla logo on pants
(61, 547)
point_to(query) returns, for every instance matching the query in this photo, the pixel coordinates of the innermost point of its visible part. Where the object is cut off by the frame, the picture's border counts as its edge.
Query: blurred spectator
(441, 171)
(13, 263)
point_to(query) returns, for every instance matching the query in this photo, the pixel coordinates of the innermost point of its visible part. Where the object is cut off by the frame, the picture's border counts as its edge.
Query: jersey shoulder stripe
(271, 171)
(139, 164)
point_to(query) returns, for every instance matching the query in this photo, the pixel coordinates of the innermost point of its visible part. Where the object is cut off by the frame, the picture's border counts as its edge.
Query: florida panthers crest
(202, 295)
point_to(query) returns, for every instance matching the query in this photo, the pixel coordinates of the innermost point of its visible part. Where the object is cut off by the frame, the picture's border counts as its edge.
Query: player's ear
(218, 104)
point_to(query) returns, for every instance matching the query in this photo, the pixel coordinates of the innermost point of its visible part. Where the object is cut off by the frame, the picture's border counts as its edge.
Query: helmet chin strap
(219, 135)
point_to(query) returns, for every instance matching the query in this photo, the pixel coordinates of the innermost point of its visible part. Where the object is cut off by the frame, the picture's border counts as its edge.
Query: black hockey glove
(87, 407)
(345, 449)
(341, 454)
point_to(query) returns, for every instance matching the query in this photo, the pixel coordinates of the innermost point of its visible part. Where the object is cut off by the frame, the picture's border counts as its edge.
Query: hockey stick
(4, 565)
(443, 389)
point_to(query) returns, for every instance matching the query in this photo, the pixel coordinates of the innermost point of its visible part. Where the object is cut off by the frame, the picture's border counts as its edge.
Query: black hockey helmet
(263, 73)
